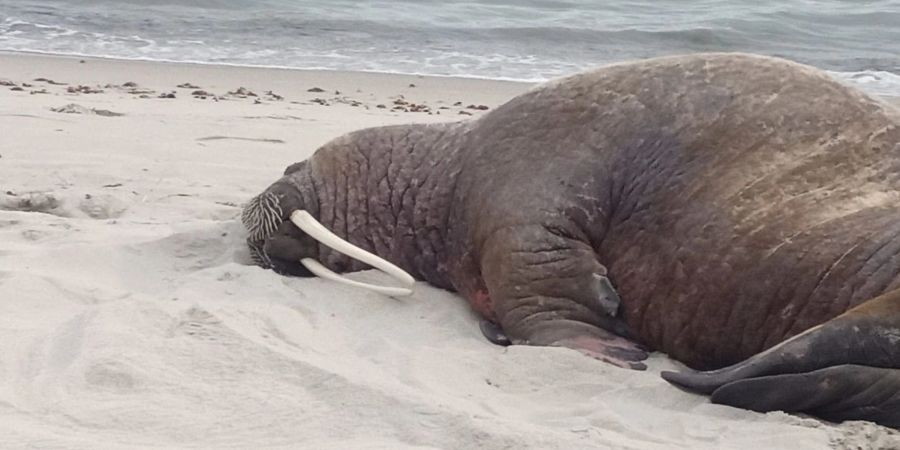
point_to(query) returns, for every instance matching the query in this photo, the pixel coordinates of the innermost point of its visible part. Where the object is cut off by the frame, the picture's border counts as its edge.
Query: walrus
(740, 213)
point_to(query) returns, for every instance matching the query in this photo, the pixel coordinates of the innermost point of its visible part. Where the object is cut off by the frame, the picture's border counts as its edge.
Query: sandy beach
(131, 317)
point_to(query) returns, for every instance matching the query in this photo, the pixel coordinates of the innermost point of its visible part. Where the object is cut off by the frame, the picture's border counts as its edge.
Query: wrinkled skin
(733, 201)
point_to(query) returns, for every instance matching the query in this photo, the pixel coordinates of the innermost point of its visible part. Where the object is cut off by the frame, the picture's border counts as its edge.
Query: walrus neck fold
(389, 191)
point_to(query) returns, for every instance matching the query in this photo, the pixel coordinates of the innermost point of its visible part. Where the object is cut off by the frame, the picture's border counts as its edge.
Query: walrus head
(284, 236)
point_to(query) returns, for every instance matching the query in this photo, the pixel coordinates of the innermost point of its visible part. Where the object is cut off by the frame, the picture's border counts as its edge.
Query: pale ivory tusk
(317, 231)
(321, 271)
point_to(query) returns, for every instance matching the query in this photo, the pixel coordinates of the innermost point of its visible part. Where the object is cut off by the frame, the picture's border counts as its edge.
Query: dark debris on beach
(398, 103)
(83, 89)
(242, 92)
(49, 81)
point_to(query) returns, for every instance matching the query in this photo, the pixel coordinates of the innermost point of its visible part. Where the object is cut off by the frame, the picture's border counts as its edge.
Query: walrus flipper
(493, 333)
(837, 393)
(845, 369)
(549, 289)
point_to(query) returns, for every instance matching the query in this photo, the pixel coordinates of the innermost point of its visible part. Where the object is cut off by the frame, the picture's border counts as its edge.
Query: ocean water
(855, 40)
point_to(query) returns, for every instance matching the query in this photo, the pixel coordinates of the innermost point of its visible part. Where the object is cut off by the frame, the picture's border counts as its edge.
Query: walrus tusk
(321, 271)
(317, 231)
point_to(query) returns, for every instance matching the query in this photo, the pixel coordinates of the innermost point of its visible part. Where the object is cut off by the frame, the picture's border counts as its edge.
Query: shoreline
(894, 97)
(273, 67)
(225, 65)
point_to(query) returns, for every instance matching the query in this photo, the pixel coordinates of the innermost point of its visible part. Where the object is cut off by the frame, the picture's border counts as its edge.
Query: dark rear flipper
(845, 369)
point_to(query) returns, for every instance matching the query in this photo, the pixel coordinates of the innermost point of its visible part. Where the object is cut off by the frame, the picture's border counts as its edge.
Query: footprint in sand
(94, 206)
(110, 376)
(40, 202)
(34, 235)
(201, 247)
(102, 206)
(74, 108)
(199, 324)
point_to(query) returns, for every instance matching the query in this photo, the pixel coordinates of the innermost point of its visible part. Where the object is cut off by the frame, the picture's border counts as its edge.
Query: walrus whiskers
(261, 216)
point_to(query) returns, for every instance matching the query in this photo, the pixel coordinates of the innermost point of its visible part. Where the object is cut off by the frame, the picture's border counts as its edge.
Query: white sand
(130, 319)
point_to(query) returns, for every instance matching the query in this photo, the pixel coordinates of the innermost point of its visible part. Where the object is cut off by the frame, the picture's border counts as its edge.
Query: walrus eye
(317, 231)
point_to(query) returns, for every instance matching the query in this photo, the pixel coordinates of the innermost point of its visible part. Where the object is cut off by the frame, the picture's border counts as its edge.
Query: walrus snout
(273, 240)
(287, 247)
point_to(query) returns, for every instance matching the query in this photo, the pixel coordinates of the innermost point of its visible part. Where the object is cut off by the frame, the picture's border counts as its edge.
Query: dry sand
(130, 318)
